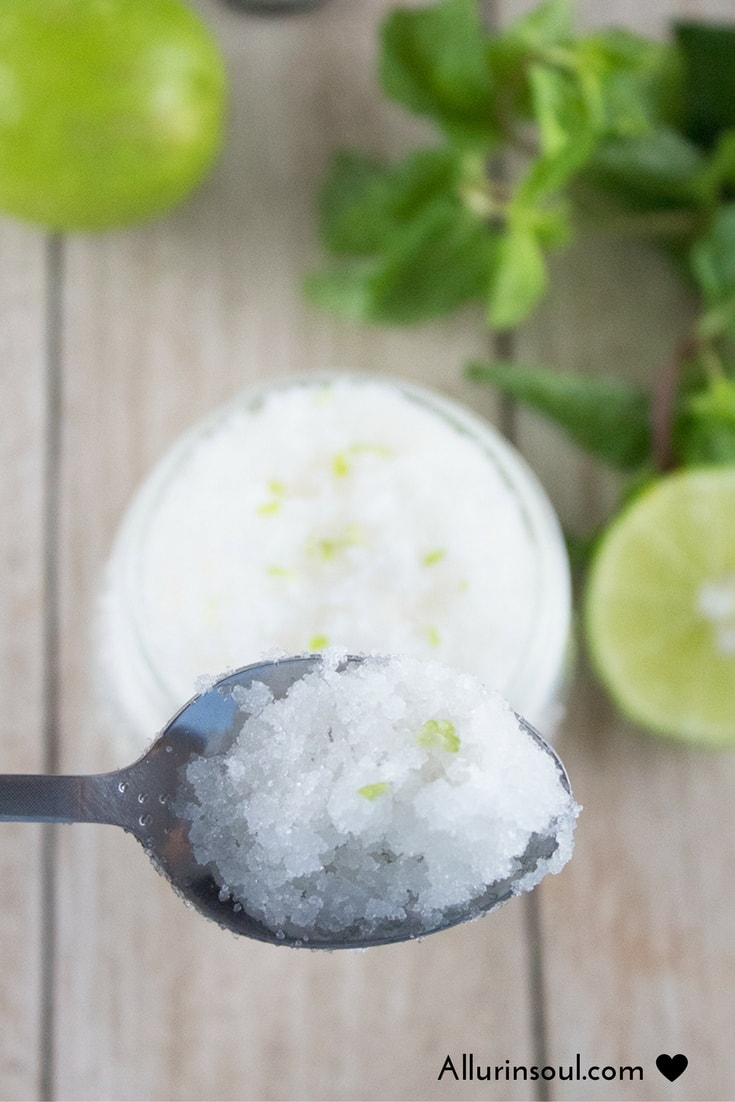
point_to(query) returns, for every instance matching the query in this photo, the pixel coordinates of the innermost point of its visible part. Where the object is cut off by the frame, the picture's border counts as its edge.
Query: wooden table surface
(111, 345)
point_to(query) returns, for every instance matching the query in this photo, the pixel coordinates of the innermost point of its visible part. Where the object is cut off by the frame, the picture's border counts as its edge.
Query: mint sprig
(593, 118)
(607, 132)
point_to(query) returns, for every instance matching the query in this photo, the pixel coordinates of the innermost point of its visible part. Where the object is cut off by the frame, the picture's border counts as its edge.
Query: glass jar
(201, 518)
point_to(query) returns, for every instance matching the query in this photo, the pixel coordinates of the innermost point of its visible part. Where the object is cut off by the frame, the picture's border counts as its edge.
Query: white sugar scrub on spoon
(377, 797)
(337, 510)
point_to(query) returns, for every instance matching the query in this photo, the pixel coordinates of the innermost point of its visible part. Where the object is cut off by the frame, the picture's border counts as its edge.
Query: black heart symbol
(671, 1066)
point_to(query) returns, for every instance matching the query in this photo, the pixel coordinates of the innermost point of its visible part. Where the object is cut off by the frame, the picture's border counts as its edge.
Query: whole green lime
(110, 110)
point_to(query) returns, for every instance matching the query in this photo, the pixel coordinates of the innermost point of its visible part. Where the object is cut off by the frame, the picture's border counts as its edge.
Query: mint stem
(663, 405)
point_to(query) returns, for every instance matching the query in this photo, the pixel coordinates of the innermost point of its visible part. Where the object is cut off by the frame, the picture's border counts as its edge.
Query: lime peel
(340, 466)
(372, 791)
(440, 733)
(268, 508)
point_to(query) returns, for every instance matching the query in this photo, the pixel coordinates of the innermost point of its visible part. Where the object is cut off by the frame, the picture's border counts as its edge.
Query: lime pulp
(660, 607)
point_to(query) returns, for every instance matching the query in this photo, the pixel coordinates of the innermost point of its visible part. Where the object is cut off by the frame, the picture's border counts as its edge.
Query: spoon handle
(37, 798)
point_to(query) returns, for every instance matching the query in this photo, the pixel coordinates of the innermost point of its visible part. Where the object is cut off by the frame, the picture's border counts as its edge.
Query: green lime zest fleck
(268, 508)
(327, 548)
(277, 489)
(372, 791)
(433, 636)
(340, 466)
(340, 463)
(371, 449)
(318, 642)
(441, 733)
(323, 548)
(432, 557)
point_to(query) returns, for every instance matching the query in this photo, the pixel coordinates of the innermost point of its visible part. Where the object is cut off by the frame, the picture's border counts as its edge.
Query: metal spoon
(142, 798)
(274, 7)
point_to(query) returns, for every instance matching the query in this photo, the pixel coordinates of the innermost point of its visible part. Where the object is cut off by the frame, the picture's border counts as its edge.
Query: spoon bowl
(146, 799)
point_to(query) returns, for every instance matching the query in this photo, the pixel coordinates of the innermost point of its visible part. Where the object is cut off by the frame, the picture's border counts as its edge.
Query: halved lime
(110, 110)
(660, 607)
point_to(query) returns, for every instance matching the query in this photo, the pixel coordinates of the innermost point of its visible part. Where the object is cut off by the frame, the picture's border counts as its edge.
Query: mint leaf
(637, 79)
(548, 24)
(347, 290)
(551, 224)
(364, 202)
(659, 169)
(415, 250)
(713, 258)
(349, 187)
(433, 62)
(708, 56)
(718, 176)
(601, 86)
(523, 42)
(705, 426)
(518, 277)
(713, 267)
(568, 125)
(703, 443)
(437, 262)
(608, 418)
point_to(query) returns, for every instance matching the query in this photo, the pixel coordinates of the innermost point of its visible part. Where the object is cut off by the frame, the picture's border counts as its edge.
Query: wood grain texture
(23, 442)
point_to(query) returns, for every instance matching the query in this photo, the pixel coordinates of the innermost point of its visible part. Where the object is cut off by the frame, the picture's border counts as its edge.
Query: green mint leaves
(601, 124)
(618, 423)
(433, 62)
(708, 70)
(609, 418)
(414, 240)
(605, 132)
(408, 247)
(713, 267)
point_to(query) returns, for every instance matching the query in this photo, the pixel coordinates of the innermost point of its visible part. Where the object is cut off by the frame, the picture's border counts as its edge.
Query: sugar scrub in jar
(334, 510)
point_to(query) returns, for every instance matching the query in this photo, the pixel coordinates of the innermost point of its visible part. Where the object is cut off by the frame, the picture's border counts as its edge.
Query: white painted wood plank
(22, 450)
(637, 930)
